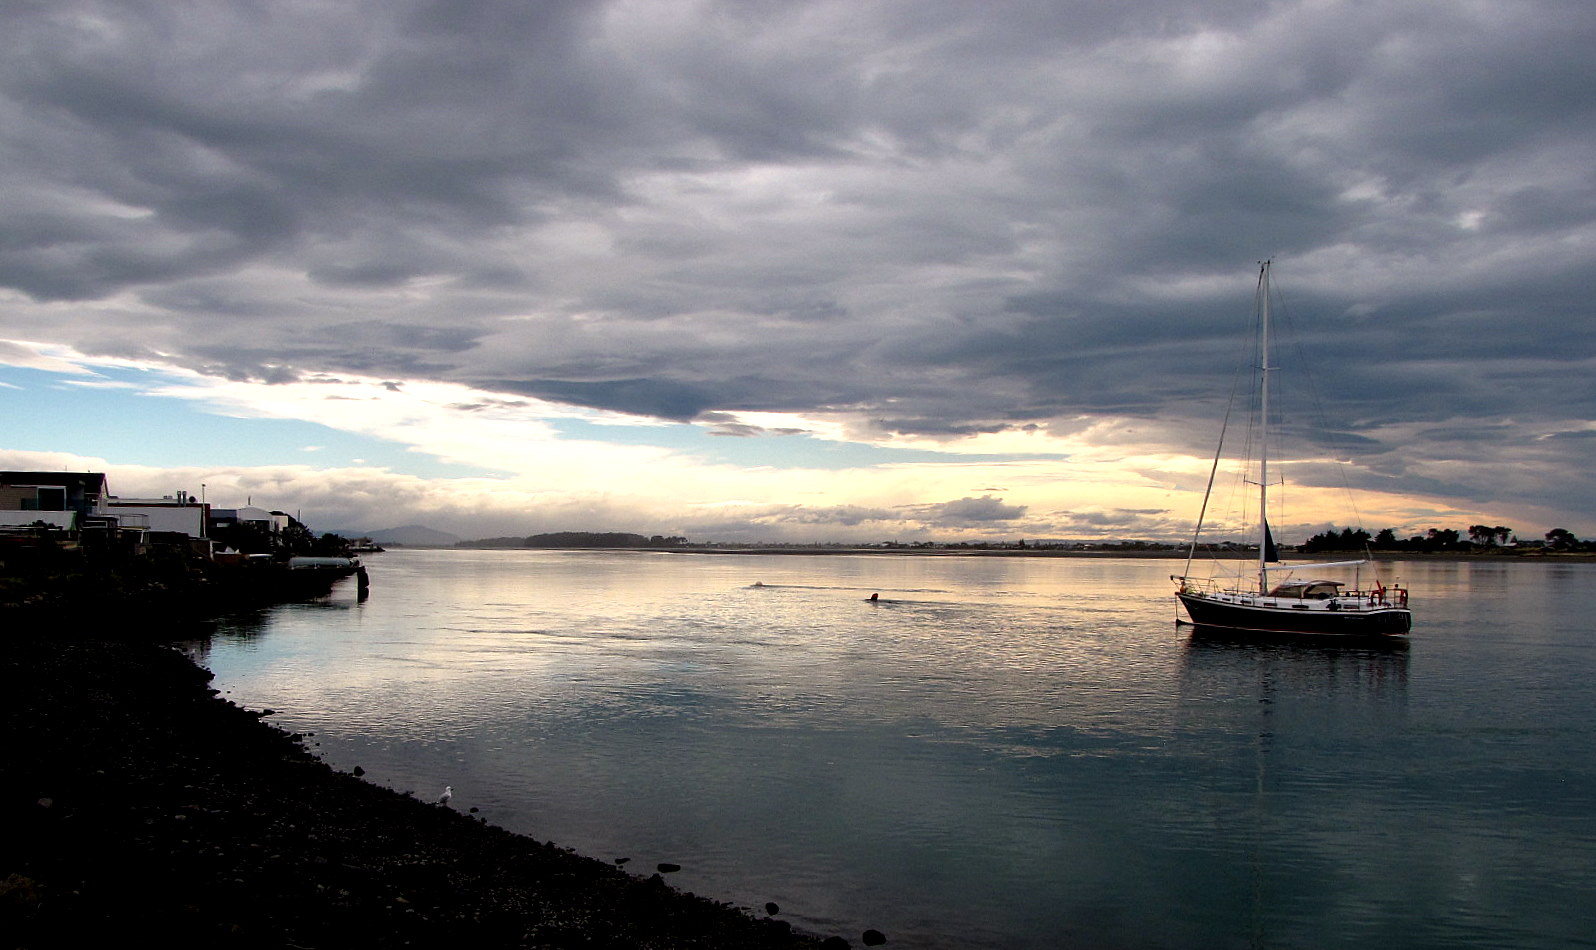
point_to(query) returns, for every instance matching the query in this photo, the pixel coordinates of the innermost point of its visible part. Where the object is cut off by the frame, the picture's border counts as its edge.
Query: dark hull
(1251, 618)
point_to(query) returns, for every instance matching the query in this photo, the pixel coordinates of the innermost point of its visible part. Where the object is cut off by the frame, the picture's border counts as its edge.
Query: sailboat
(1279, 598)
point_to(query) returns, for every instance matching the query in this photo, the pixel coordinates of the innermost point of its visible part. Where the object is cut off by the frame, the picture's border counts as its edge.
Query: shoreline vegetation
(138, 802)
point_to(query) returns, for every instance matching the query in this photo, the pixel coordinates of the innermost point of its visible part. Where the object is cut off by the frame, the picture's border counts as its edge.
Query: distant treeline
(578, 539)
(1479, 537)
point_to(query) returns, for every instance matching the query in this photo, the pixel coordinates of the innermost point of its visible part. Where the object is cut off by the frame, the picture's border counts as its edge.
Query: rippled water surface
(1001, 752)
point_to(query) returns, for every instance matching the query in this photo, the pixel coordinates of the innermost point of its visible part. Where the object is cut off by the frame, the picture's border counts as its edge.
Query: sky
(783, 271)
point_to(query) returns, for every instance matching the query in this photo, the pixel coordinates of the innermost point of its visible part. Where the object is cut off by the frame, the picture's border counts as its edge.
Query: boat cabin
(1307, 590)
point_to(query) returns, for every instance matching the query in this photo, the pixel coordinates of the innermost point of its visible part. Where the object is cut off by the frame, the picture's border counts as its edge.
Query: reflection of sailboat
(1309, 604)
(1322, 688)
(1373, 668)
(1285, 730)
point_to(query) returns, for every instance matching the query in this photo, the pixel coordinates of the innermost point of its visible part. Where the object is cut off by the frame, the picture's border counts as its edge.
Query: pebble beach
(141, 806)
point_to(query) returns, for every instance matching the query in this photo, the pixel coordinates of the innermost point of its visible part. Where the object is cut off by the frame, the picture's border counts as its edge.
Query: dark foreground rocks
(139, 807)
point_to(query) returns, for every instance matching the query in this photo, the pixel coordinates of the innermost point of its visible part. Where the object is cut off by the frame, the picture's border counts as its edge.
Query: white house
(181, 514)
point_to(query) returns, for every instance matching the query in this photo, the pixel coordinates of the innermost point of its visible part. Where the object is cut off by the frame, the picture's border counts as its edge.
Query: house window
(52, 499)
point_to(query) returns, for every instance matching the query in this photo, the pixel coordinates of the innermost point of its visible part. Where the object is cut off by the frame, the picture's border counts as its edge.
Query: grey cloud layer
(941, 218)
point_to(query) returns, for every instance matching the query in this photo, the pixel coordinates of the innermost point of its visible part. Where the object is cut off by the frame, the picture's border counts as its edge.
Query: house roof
(88, 482)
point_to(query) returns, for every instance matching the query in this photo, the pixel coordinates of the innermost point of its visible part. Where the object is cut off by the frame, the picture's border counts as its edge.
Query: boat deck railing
(1345, 599)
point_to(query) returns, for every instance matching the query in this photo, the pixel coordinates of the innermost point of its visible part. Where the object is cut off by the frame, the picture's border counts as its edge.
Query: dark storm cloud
(726, 425)
(967, 511)
(649, 397)
(938, 219)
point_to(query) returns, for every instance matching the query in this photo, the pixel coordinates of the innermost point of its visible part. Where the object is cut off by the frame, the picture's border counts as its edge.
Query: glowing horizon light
(491, 463)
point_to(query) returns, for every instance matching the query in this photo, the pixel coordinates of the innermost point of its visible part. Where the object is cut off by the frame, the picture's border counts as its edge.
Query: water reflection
(1291, 772)
(1007, 752)
(1318, 688)
(1376, 666)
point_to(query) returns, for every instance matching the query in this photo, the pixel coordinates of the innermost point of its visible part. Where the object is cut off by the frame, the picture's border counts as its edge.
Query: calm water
(1004, 752)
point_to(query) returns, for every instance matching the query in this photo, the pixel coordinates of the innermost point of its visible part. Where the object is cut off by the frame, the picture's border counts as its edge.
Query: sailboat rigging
(1314, 606)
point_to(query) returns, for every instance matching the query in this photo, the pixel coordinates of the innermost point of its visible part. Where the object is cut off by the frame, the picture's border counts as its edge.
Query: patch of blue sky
(776, 451)
(113, 416)
(110, 416)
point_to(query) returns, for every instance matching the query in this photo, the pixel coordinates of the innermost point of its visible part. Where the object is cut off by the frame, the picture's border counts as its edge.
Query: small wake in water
(911, 597)
(761, 585)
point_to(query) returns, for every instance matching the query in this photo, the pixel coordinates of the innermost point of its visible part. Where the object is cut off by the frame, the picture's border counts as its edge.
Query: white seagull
(448, 793)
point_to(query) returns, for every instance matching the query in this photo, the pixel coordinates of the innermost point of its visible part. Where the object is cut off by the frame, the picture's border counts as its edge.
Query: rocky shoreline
(139, 804)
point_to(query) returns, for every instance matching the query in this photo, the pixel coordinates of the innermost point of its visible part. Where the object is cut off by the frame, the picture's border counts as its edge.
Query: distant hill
(493, 543)
(586, 539)
(413, 536)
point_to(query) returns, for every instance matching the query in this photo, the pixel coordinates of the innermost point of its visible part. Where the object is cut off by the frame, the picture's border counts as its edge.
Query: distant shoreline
(1162, 554)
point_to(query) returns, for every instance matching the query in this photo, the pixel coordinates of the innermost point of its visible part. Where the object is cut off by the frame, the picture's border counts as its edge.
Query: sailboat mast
(1263, 431)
